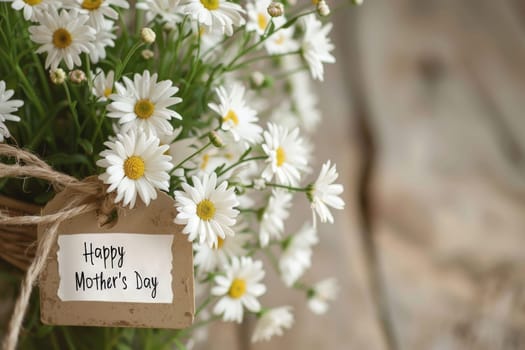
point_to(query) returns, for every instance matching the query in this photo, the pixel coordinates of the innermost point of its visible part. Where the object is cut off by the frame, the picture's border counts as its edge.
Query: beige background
(440, 85)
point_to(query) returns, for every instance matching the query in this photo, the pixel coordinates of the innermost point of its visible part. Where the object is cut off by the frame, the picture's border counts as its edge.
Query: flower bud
(215, 139)
(257, 79)
(169, 26)
(57, 76)
(147, 35)
(275, 9)
(322, 8)
(147, 54)
(357, 2)
(77, 76)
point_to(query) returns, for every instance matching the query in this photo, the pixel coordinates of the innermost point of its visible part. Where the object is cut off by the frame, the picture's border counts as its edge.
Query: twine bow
(87, 195)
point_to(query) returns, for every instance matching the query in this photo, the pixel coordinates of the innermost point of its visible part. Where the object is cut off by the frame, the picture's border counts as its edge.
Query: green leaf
(123, 346)
(86, 145)
(68, 159)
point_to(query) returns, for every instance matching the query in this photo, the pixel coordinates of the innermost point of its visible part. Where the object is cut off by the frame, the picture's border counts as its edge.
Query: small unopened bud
(57, 76)
(322, 8)
(357, 2)
(169, 26)
(275, 9)
(147, 54)
(147, 35)
(77, 76)
(215, 139)
(257, 79)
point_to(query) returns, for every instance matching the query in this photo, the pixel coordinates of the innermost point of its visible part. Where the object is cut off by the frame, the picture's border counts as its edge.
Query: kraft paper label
(138, 273)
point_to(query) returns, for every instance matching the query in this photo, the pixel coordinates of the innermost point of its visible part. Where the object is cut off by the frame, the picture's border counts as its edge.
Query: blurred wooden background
(424, 115)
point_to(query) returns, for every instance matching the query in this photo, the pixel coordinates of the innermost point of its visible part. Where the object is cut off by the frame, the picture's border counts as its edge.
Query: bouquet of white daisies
(210, 101)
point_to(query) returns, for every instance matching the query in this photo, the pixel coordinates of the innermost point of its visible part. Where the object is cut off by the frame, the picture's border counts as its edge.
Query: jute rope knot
(87, 195)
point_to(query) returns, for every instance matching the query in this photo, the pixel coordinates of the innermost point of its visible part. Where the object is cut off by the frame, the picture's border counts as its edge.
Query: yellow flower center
(280, 40)
(91, 4)
(205, 210)
(262, 21)
(134, 167)
(205, 161)
(62, 38)
(281, 156)
(231, 115)
(32, 2)
(107, 92)
(144, 108)
(237, 288)
(210, 4)
(220, 243)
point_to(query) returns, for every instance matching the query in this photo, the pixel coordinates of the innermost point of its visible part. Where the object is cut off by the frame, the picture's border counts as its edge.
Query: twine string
(88, 195)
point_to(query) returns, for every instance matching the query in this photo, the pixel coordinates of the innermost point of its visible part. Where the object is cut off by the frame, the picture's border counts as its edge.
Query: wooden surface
(440, 84)
(438, 187)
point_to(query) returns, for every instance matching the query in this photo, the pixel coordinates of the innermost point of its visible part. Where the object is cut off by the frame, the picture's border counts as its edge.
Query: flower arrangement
(210, 101)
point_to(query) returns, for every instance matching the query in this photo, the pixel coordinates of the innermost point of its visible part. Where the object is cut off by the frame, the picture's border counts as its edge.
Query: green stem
(291, 188)
(190, 157)
(290, 72)
(242, 160)
(98, 127)
(206, 302)
(122, 66)
(42, 75)
(258, 58)
(69, 340)
(264, 38)
(73, 109)
(28, 87)
(249, 210)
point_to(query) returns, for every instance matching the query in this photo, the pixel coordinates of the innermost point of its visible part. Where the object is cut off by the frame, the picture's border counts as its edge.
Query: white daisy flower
(284, 115)
(272, 221)
(324, 193)
(209, 43)
(281, 42)
(305, 101)
(31, 8)
(104, 38)
(143, 103)
(316, 45)
(206, 210)
(239, 288)
(97, 10)
(287, 153)
(208, 259)
(258, 17)
(272, 322)
(217, 15)
(321, 294)
(64, 36)
(208, 160)
(135, 163)
(103, 84)
(168, 11)
(7, 108)
(297, 254)
(237, 117)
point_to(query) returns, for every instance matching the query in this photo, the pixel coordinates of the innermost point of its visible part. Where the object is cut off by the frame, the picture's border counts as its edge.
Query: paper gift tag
(138, 273)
